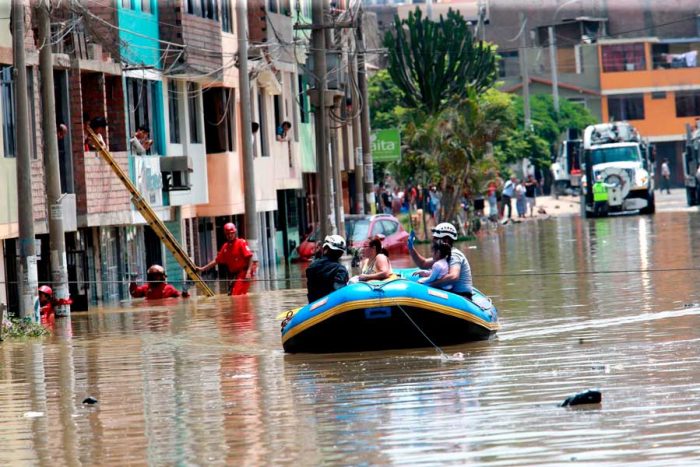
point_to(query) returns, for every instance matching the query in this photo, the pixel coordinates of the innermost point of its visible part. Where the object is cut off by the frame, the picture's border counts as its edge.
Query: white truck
(616, 152)
(566, 168)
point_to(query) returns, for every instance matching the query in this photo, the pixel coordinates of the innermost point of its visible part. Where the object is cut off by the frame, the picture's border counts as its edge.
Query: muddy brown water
(584, 304)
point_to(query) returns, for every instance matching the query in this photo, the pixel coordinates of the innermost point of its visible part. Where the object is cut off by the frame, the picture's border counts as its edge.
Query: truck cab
(616, 152)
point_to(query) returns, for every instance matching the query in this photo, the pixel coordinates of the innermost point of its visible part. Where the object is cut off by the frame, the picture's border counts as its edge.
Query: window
(192, 94)
(279, 116)
(7, 100)
(390, 227)
(687, 103)
(140, 100)
(203, 8)
(658, 95)
(623, 57)
(508, 65)
(126, 4)
(174, 112)
(226, 17)
(626, 107)
(31, 111)
(146, 6)
(219, 119)
(262, 120)
(302, 98)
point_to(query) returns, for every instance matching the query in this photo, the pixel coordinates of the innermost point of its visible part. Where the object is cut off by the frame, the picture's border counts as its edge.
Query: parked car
(359, 228)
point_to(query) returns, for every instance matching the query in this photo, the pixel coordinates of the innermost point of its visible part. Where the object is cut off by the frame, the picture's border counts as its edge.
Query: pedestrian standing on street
(508, 193)
(520, 201)
(156, 286)
(530, 193)
(237, 258)
(600, 196)
(492, 197)
(665, 177)
(325, 274)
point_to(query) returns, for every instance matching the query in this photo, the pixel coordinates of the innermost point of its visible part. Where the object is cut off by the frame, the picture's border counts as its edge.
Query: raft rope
(440, 351)
(515, 274)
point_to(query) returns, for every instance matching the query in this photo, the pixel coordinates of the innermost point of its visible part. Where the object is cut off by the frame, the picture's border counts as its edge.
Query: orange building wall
(660, 114)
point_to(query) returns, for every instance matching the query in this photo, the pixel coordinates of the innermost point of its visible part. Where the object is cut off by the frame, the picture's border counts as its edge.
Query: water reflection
(206, 382)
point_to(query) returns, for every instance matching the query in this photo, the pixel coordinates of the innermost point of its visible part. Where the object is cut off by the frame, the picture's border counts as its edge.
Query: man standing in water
(459, 276)
(237, 258)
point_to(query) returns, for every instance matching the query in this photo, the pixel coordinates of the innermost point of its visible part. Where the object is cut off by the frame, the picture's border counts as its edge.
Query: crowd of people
(501, 200)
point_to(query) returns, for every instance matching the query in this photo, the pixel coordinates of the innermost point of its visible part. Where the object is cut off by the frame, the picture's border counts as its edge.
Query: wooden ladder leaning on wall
(152, 218)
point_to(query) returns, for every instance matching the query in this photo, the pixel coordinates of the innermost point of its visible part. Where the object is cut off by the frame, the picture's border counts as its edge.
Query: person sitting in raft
(441, 265)
(459, 275)
(375, 266)
(156, 287)
(325, 274)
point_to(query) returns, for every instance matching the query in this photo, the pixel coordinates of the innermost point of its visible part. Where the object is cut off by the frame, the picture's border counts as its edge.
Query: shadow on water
(583, 303)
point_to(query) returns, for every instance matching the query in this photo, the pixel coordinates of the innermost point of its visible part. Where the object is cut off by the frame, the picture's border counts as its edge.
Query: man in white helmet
(459, 276)
(325, 274)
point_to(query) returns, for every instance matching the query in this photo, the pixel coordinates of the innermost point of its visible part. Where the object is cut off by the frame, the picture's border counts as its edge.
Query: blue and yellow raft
(394, 314)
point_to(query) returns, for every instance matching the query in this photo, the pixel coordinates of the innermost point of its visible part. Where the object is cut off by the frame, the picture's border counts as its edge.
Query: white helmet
(334, 242)
(445, 229)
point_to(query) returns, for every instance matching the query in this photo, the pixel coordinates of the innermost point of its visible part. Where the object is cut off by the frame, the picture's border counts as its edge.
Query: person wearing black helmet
(459, 275)
(325, 274)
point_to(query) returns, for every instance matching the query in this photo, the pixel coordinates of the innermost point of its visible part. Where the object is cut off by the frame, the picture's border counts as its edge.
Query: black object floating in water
(90, 400)
(590, 396)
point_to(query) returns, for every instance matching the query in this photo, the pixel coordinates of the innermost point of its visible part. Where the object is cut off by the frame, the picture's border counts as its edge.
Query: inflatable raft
(394, 314)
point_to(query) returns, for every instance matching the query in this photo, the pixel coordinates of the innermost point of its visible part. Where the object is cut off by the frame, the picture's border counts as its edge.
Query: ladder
(151, 217)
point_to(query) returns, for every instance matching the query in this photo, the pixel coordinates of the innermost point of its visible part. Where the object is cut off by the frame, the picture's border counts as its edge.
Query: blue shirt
(464, 282)
(509, 188)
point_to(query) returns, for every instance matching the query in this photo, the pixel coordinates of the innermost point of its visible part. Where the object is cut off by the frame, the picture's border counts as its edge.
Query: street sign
(386, 145)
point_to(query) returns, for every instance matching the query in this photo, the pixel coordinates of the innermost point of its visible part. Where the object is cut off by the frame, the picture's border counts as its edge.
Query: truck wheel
(651, 205)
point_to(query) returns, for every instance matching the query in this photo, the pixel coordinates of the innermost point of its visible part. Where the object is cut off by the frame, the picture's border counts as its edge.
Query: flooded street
(601, 303)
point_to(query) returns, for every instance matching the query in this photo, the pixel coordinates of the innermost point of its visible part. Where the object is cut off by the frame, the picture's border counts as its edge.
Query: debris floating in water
(590, 396)
(31, 414)
(90, 400)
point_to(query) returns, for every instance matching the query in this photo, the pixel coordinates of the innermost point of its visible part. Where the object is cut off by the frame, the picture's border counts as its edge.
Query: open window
(219, 119)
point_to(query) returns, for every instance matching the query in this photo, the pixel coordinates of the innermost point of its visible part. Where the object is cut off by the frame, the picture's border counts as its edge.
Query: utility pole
(318, 41)
(524, 71)
(251, 212)
(27, 272)
(364, 118)
(337, 182)
(59, 269)
(356, 143)
(553, 65)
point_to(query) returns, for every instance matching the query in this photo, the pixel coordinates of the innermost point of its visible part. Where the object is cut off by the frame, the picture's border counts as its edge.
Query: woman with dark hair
(375, 266)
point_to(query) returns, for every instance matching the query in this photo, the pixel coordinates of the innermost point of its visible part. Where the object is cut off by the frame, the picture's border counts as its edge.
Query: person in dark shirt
(326, 274)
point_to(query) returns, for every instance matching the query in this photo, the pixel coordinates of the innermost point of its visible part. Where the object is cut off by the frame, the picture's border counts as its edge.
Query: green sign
(386, 145)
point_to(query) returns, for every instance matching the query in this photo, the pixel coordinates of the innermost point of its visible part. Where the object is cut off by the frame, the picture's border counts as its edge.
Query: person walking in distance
(237, 258)
(508, 193)
(665, 177)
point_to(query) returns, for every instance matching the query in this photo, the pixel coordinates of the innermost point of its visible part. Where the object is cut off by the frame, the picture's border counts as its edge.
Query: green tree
(385, 109)
(434, 62)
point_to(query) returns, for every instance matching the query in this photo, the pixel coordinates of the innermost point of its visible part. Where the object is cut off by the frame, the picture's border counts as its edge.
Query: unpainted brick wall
(105, 192)
(257, 22)
(202, 33)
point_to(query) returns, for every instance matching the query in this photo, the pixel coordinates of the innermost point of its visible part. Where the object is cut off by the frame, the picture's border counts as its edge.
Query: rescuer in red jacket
(156, 287)
(237, 258)
(48, 314)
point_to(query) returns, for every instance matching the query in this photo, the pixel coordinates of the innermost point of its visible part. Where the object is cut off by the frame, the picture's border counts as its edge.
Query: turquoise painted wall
(139, 33)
